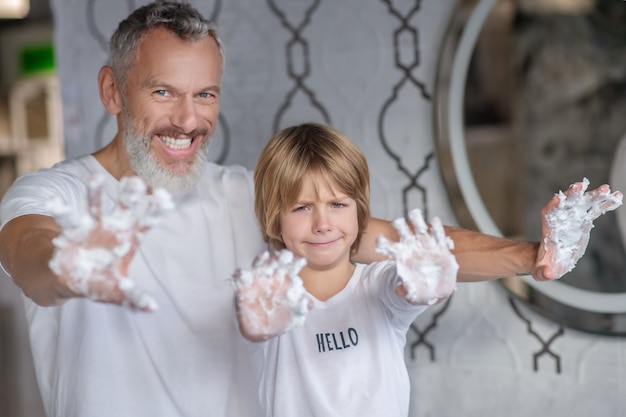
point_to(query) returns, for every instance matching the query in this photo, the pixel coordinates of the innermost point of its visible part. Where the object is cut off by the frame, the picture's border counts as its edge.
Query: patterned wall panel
(367, 68)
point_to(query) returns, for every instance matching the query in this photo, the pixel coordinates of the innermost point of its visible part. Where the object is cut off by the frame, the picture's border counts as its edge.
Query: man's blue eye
(207, 95)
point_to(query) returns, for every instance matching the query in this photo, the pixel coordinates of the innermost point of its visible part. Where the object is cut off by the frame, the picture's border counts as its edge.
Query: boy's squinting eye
(338, 205)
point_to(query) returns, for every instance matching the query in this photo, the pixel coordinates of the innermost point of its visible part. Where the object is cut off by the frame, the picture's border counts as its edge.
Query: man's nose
(184, 115)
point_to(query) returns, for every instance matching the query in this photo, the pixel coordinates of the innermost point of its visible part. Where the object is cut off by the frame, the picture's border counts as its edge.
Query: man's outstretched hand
(567, 221)
(95, 248)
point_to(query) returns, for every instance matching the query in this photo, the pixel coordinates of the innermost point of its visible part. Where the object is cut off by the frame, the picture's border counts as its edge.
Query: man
(186, 358)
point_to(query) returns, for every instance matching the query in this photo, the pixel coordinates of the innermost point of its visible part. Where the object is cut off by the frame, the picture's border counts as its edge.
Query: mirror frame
(589, 311)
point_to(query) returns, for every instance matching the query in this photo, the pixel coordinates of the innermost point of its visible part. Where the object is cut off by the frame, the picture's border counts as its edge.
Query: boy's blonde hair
(293, 153)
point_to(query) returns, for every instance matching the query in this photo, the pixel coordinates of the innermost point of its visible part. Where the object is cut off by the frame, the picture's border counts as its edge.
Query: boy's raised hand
(270, 297)
(423, 260)
(95, 248)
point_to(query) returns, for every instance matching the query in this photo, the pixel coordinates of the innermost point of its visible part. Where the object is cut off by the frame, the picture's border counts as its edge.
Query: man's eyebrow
(215, 88)
(153, 83)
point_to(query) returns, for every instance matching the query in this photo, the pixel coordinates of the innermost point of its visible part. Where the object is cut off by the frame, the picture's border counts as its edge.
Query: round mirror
(529, 99)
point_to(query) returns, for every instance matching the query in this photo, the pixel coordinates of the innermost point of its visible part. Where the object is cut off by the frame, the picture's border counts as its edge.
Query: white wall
(483, 347)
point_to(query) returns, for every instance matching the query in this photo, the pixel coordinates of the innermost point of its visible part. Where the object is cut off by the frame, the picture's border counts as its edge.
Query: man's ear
(110, 93)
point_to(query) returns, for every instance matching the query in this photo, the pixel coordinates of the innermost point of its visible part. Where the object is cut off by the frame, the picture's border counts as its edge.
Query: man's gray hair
(180, 18)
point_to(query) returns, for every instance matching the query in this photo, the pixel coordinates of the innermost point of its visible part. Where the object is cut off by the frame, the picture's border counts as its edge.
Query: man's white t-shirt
(347, 360)
(187, 358)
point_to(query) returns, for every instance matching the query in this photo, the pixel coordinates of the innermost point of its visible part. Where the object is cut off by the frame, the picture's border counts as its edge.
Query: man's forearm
(483, 257)
(367, 252)
(25, 250)
(480, 257)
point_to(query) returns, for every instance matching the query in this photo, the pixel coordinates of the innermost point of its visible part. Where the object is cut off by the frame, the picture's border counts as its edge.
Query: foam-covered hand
(94, 249)
(567, 221)
(270, 297)
(426, 266)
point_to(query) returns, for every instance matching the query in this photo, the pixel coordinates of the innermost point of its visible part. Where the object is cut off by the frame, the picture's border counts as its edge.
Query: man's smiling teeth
(173, 143)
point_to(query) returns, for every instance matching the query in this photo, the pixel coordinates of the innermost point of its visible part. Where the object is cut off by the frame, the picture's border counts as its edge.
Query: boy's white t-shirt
(187, 358)
(348, 357)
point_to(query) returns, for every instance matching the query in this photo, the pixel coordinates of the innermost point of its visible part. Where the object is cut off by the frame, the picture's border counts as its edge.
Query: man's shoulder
(217, 171)
(31, 191)
(67, 173)
(78, 166)
(229, 177)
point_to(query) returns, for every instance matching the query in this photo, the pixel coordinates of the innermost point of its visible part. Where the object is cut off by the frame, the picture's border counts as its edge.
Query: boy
(347, 358)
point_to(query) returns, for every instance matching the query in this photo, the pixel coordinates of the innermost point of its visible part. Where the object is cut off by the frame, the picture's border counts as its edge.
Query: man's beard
(153, 172)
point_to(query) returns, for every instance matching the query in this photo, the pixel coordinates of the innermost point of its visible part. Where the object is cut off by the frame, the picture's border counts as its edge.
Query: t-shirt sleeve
(385, 279)
(31, 193)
